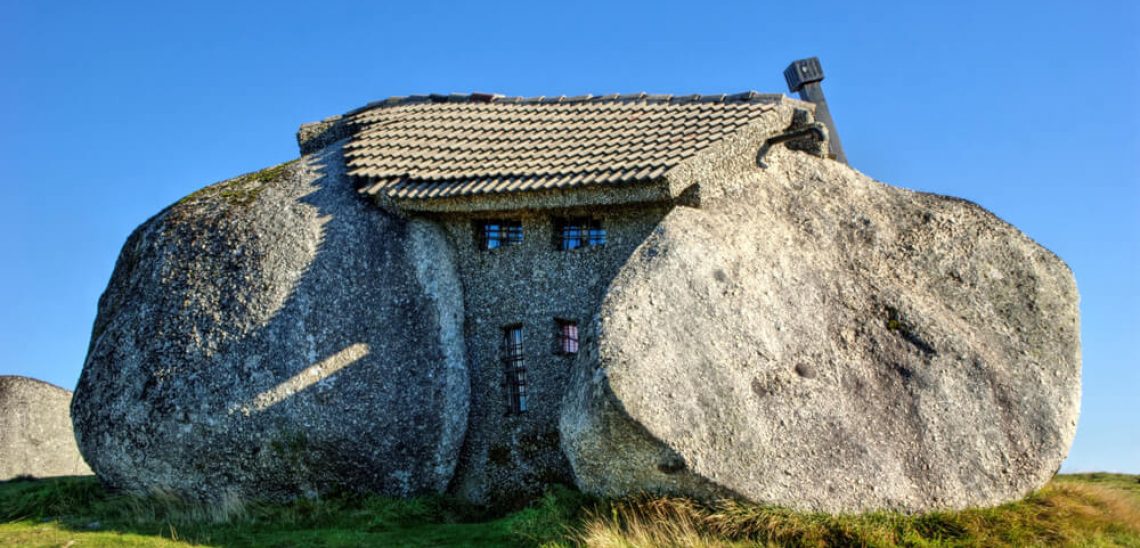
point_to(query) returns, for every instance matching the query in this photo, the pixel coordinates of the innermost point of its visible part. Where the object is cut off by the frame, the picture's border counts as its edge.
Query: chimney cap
(803, 72)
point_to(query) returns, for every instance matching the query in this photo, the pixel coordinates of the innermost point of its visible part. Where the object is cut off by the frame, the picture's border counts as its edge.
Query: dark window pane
(597, 234)
(496, 234)
(579, 232)
(571, 237)
(515, 368)
(513, 233)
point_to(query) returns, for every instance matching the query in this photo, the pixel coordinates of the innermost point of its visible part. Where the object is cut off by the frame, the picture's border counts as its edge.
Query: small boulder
(35, 430)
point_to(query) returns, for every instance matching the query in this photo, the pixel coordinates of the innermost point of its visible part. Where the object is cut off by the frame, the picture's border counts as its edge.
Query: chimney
(803, 77)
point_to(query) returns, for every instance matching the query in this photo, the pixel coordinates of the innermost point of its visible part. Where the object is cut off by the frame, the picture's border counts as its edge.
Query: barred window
(496, 234)
(578, 232)
(515, 367)
(567, 335)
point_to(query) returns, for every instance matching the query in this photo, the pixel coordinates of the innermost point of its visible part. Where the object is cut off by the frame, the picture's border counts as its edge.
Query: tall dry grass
(1064, 513)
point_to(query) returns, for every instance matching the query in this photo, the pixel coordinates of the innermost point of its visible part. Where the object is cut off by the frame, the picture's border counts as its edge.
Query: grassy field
(1075, 510)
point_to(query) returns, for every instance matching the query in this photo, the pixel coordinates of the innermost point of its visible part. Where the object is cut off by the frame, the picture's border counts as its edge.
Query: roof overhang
(487, 153)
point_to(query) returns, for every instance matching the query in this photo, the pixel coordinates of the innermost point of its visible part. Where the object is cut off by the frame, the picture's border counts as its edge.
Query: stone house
(680, 295)
(544, 200)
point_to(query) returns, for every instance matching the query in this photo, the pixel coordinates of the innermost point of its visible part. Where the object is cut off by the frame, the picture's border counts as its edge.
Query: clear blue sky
(109, 111)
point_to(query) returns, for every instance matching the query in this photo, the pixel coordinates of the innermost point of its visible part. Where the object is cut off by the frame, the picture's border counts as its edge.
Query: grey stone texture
(273, 336)
(815, 339)
(35, 430)
(510, 456)
(761, 323)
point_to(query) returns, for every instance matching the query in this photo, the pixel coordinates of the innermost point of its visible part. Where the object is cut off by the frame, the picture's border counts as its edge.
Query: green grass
(1074, 510)
(53, 512)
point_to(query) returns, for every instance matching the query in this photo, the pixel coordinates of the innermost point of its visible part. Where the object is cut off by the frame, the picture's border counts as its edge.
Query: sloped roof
(442, 146)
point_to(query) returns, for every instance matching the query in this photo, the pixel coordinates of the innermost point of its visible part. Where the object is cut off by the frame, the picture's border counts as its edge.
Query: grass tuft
(1065, 512)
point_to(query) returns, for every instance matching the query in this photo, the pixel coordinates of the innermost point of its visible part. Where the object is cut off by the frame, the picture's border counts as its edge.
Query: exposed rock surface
(276, 335)
(815, 339)
(807, 337)
(35, 430)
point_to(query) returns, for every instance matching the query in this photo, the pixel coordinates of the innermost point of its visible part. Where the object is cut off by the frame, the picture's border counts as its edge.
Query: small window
(578, 232)
(515, 367)
(567, 336)
(496, 234)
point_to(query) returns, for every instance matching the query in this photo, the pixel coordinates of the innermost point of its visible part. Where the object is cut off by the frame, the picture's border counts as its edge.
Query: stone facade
(509, 455)
(532, 284)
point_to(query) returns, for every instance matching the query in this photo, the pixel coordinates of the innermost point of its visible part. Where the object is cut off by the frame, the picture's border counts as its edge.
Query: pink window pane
(570, 338)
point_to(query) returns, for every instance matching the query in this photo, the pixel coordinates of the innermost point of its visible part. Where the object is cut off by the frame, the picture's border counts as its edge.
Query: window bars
(578, 232)
(515, 366)
(496, 234)
(567, 336)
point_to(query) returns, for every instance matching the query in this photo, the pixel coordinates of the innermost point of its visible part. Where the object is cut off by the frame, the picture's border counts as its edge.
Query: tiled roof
(441, 146)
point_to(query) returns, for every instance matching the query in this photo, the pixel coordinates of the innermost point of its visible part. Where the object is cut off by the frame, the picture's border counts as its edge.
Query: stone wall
(510, 455)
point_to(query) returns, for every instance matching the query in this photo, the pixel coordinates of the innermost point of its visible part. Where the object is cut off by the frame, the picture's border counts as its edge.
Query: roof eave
(653, 191)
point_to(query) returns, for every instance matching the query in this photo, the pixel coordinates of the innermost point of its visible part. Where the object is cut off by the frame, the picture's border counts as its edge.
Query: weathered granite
(35, 430)
(819, 340)
(761, 323)
(276, 335)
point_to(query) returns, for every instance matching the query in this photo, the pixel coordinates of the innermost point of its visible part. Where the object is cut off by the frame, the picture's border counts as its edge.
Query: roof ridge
(642, 97)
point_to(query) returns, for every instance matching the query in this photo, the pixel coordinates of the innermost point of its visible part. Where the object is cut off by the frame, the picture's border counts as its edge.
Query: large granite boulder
(35, 430)
(276, 335)
(815, 339)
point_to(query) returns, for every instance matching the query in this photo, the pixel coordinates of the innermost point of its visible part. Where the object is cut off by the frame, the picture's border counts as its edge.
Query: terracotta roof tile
(437, 146)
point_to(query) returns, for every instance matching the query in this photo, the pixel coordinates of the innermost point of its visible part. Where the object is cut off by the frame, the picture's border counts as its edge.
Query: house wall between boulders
(510, 456)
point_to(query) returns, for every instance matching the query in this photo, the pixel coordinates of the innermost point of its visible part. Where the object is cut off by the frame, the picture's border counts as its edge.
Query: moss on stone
(243, 190)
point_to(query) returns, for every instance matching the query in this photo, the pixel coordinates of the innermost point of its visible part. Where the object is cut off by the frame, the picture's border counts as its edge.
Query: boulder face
(806, 337)
(275, 335)
(822, 341)
(35, 430)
